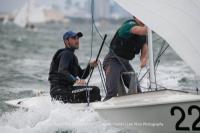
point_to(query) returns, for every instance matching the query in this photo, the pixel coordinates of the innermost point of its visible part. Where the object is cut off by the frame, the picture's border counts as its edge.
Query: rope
(92, 28)
(92, 35)
(101, 37)
(157, 60)
(102, 76)
(92, 39)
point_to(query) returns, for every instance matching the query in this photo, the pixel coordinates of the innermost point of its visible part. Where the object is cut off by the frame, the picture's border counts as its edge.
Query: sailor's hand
(143, 63)
(144, 56)
(80, 82)
(93, 63)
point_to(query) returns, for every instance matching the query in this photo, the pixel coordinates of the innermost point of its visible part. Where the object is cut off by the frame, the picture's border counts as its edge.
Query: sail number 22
(183, 116)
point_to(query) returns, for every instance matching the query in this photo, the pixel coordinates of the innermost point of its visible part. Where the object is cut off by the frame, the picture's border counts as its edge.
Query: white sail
(177, 21)
(36, 13)
(21, 18)
(30, 14)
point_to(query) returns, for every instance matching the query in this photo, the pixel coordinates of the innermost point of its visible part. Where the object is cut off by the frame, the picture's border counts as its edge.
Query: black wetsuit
(62, 75)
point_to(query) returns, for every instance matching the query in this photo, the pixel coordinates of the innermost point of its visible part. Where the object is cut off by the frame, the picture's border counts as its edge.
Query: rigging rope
(157, 61)
(101, 37)
(92, 39)
(92, 33)
(102, 76)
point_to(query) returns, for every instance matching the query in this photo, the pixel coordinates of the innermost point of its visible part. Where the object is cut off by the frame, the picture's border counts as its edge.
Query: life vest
(55, 62)
(54, 76)
(66, 77)
(127, 47)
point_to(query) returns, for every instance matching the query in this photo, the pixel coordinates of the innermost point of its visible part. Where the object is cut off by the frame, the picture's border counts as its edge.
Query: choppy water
(25, 57)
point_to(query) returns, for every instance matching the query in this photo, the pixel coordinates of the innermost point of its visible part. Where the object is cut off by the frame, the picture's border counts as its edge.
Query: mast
(151, 61)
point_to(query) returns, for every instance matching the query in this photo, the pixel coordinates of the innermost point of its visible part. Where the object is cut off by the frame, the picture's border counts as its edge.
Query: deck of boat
(148, 99)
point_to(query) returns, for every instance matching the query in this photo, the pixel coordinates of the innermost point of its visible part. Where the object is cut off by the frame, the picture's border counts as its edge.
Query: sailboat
(5, 20)
(161, 111)
(29, 15)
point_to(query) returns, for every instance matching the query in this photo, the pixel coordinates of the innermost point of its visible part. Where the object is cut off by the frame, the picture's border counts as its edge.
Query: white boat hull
(157, 117)
(151, 119)
(152, 112)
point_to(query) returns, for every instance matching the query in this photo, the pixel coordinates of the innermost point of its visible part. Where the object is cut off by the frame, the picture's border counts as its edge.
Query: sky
(11, 5)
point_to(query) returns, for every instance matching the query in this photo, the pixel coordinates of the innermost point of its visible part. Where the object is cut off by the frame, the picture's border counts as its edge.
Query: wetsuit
(63, 73)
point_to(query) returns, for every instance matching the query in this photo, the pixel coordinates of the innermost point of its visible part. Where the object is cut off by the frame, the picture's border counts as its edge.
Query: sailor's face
(74, 42)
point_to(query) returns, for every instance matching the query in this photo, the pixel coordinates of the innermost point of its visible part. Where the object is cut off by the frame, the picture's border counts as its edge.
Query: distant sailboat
(29, 15)
(5, 20)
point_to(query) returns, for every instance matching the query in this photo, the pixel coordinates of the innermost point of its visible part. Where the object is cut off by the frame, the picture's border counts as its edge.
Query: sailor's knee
(95, 89)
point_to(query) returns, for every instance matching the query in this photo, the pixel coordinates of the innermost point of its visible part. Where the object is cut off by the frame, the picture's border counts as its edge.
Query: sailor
(129, 40)
(67, 77)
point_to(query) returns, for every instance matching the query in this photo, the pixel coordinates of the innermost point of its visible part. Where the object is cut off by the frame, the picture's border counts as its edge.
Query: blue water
(25, 56)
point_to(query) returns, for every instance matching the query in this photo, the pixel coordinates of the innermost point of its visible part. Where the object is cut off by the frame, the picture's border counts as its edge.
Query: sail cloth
(21, 18)
(30, 13)
(176, 21)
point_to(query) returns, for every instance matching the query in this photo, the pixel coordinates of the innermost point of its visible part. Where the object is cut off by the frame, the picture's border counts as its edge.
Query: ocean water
(25, 56)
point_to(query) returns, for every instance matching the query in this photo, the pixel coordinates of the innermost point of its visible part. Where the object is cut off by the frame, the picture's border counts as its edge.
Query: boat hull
(154, 112)
(181, 116)
(152, 119)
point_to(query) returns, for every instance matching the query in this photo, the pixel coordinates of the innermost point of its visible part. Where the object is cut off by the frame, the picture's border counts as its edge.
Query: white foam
(50, 117)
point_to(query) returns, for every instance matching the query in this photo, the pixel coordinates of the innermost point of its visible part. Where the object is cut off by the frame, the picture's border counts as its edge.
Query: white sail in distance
(36, 13)
(30, 13)
(176, 21)
(21, 18)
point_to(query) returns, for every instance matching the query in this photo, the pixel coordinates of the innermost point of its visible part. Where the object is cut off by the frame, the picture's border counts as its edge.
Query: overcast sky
(11, 5)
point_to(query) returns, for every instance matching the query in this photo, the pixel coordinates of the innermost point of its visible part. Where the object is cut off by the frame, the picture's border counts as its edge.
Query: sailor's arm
(63, 68)
(144, 56)
(83, 73)
(139, 30)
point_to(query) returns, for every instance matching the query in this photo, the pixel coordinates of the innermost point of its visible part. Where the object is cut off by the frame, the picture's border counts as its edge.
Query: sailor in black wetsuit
(64, 73)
